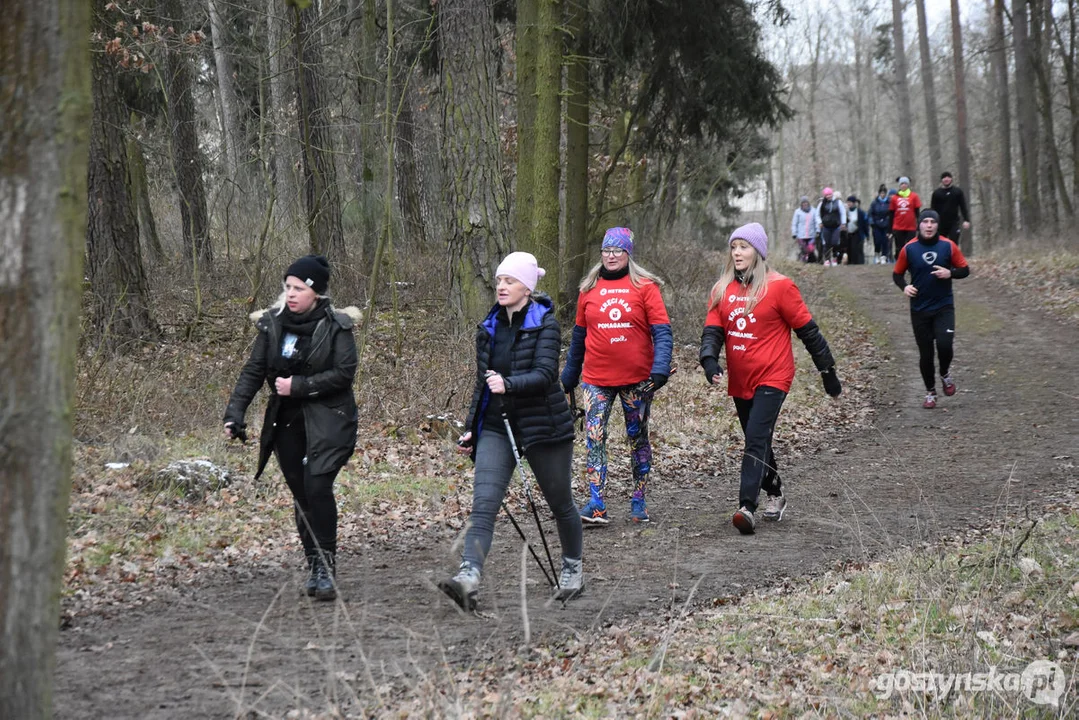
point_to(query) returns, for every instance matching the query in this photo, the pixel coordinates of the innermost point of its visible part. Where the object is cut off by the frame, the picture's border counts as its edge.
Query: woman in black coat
(517, 350)
(306, 355)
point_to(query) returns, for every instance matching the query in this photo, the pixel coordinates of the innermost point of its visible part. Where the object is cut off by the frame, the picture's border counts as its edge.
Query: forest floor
(222, 631)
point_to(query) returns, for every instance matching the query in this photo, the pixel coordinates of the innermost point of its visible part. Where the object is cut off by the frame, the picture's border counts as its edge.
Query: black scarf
(304, 324)
(613, 274)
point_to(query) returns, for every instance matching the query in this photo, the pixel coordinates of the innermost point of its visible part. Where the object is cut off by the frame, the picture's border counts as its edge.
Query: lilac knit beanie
(754, 234)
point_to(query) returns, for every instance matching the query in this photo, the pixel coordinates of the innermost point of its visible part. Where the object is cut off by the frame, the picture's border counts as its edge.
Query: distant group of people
(836, 233)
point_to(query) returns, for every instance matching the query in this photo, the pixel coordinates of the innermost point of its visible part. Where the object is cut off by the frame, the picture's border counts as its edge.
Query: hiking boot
(744, 521)
(463, 586)
(930, 400)
(949, 384)
(311, 584)
(594, 513)
(638, 513)
(571, 581)
(325, 572)
(774, 507)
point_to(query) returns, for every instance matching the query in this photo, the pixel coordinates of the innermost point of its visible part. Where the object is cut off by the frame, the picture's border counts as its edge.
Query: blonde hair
(755, 279)
(278, 306)
(637, 275)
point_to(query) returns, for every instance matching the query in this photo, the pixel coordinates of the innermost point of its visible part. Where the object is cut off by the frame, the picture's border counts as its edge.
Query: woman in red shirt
(622, 338)
(751, 312)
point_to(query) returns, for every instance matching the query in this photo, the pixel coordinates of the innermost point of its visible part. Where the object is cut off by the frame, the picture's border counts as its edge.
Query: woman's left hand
(496, 383)
(283, 386)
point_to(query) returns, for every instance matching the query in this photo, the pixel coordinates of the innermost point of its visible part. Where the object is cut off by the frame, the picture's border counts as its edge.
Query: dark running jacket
(534, 401)
(325, 389)
(919, 256)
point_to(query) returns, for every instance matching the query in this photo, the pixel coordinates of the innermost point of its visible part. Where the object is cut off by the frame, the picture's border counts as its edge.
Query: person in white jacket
(804, 229)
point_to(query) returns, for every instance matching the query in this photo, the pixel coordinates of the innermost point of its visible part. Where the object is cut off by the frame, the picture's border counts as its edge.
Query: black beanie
(929, 215)
(314, 270)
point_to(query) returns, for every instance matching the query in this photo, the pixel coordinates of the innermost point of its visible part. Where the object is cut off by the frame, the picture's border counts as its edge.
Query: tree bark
(473, 174)
(929, 90)
(186, 156)
(905, 120)
(226, 93)
(967, 237)
(526, 66)
(285, 155)
(45, 86)
(1027, 111)
(544, 240)
(1006, 197)
(409, 181)
(120, 305)
(140, 188)
(578, 102)
(323, 201)
(367, 138)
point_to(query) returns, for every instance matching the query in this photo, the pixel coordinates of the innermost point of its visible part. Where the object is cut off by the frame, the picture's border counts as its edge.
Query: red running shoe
(949, 384)
(930, 400)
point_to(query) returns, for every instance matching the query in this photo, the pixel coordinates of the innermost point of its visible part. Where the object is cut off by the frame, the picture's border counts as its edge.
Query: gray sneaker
(571, 581)
(774, 507)
(744, 521)
(463, 586)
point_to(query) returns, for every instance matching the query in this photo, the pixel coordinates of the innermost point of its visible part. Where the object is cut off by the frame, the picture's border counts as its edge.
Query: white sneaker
(774, 507)
(571, 581)
(744, 521)
(463, 587)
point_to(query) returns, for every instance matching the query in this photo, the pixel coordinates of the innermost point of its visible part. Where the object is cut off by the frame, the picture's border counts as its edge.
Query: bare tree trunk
(1027, 111)
(226, 93)
(929, 90)
(140, 188)
(1071, 83)
(578, 102)
(186, 156)
(527, 47)
(409, 181)
(43, 151)
(323, 201)
(473, 174)
(285, 155)
(1006, 198)
(120, 305)
(905, 120)
(967, 237)
(814, 84)
(547, 161)
(365, 165)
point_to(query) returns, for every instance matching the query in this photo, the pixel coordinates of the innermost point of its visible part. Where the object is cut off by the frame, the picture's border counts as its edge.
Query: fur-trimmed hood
(354, 314)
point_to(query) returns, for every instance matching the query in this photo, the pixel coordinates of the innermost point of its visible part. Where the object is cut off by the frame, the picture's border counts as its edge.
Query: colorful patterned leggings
(598, 402)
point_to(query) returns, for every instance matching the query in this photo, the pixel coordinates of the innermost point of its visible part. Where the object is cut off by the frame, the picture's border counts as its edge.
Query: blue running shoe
(637, 511)
(594, 513)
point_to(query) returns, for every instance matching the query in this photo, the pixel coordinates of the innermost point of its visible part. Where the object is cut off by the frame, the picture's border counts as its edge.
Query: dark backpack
(829, 214)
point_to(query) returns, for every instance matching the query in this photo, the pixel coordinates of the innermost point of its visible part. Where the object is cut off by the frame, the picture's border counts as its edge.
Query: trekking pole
(576, 412)
(528, 494)
(531, 549)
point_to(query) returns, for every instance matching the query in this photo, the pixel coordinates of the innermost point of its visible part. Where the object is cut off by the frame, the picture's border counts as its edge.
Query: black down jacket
(329, 409)
(534, 401)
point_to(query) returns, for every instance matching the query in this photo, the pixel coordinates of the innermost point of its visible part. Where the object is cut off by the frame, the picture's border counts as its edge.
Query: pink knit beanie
(522, 266)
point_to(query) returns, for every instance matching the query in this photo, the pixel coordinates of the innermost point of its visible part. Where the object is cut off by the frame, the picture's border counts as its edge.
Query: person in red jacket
(751, 312)
(621, 346)
(903, 209)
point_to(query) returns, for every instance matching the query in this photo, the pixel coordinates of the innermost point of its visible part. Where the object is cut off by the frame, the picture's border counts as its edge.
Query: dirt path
(245, 641)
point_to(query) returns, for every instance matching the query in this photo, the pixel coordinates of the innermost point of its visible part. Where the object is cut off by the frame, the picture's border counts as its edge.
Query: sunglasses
(613, 252)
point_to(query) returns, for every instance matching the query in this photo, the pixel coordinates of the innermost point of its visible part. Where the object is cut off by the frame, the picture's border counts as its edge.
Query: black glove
(831, 382)
(654, 382)
(568, 385)
(239, 431)
(711, 368)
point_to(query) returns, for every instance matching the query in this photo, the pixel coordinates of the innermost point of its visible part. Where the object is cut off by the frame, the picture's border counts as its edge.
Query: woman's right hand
(464, 443)
(228, 431)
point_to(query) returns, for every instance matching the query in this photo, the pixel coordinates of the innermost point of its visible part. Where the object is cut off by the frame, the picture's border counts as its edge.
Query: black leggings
(936, 327)
(315, 505)
(758, 417)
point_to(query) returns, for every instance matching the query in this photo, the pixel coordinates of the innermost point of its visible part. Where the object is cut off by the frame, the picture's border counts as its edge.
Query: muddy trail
(245, 641)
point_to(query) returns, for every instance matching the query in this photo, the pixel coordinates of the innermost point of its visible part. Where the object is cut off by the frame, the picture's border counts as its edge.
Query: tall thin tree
(929, 91)
(1005, 195)
(45, 86)
(578, 104)
(905, 121)
(967, 238)
(1027, 113)
(546, 154)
